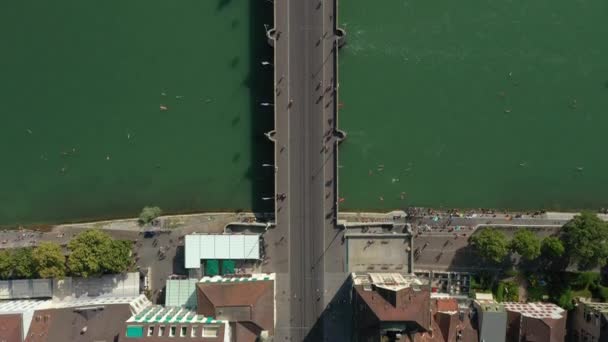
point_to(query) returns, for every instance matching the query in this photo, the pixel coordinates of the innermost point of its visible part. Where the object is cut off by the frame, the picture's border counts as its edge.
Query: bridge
(306, 39)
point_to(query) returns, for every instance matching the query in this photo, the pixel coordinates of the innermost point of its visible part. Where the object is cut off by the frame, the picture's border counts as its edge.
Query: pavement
(306, 143)
(146, 250)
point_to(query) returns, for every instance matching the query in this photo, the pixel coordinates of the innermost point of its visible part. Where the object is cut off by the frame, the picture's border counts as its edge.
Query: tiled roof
(224, 298)
(447, 305)
(11, 328)
(410, 305)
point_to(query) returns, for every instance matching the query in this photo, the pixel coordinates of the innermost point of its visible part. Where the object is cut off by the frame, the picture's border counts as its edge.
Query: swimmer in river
(580, 168)
(108, 157)
(29, 131)
(163, 108)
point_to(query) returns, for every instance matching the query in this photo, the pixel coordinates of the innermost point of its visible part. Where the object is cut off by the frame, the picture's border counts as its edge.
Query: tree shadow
(260, 84)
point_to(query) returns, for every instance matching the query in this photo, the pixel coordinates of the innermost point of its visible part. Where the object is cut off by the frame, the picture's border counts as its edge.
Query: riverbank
(217, 221)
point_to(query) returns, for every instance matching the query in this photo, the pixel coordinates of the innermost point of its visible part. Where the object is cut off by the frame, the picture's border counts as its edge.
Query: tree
(93, 252)
(5, 264)
(526, 244)
(148, 214)
(585, 239)
(119, 259)
(22, 263)
(552, 247)
(491, 244)
(49, 260)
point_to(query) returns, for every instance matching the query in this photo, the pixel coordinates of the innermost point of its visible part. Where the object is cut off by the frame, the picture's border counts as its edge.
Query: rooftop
(181, 293)
(490, 306)
(389, 281)
(600, 307)
(238, 299)
(220, 246)
(160, 314)
(447, 305)
(11, 328)
(536, 310)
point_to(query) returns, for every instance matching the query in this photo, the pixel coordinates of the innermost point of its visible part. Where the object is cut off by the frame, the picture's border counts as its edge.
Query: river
(108, 106)
(485, 103)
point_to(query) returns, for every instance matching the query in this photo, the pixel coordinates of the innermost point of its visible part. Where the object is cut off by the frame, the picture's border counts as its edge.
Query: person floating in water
(163, 108)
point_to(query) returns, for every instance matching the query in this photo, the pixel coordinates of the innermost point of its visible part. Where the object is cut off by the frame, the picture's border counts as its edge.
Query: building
(157, 324)
(531, 322)
(452, 322)
(70, 309)
(214, 309)
(220, 247)
(11, 327)
(15, 318)
(590, 322)
(247, 303)
(84, 321)
(491, 319)
(390, 306)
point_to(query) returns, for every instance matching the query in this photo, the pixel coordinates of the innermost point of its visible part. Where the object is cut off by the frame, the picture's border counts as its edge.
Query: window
(210, 331)
(172, 331)
(151, 330)
(193, 331)
(161, 330)
(183, 330)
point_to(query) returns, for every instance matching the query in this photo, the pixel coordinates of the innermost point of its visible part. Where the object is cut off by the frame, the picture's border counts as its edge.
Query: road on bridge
(306, 143)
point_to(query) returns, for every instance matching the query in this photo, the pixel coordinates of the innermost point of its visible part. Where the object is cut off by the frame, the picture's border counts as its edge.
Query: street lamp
(270, 165)
(266, 63)
(267, 198)
(266, 104)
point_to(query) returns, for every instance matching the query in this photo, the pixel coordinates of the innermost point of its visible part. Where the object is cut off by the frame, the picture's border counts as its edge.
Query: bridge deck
(306, 142)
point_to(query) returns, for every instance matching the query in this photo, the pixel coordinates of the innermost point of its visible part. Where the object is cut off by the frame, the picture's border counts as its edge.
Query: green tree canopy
(119, 259)
(6, 267)
(93, 252)
(49, 260)
(585, 239)
(552, 247)
(22, 263)
(526, 244)
(491, 244)
(148, 214)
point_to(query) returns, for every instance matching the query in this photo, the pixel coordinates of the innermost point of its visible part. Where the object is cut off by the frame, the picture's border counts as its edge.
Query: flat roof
(389, 281)
(220, 246)
(181, 293)
(536, 310)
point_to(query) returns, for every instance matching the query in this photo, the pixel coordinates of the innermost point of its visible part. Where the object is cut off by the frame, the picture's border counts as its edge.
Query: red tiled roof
(257, 295)
(11, 327)
(409, 305)
(447, 305)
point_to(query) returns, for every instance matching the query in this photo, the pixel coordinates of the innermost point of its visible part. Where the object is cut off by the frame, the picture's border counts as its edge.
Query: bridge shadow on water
(260, 82)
